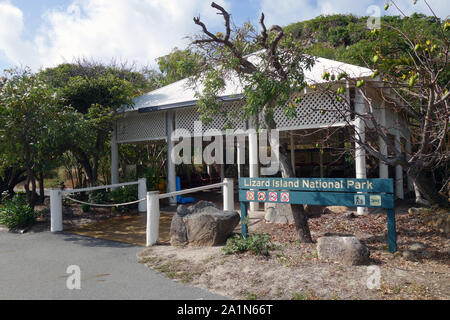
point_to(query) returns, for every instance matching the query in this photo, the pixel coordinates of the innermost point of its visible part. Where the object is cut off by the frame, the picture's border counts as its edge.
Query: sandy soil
(293, 270)
(74, 217)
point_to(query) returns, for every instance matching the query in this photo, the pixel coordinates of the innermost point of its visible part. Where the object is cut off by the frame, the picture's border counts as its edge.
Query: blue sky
(41, 33)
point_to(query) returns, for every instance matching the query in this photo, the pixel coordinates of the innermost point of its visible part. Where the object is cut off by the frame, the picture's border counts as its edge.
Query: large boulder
(278, 213)
(202, 224)
(347, 250)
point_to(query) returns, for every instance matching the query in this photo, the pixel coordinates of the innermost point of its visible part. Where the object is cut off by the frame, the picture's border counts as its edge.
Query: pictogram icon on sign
(360, 200)
(273, 196)
(261, 196)
(284, 197)
(250, 195)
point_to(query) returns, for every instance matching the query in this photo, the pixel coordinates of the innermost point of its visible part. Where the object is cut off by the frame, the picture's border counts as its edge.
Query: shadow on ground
(128, 229)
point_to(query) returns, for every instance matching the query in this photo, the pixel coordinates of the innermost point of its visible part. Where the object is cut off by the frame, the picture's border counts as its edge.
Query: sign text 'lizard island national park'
(316, 184)
(315, 191)
(371, 193)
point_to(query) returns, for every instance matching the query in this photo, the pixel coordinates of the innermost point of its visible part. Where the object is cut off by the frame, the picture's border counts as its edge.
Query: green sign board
(314, 184)
(369, 193)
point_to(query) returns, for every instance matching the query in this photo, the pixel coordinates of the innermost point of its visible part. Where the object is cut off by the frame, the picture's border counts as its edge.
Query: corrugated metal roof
(180, 94)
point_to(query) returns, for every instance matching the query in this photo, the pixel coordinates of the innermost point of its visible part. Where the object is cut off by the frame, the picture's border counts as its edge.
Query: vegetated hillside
(347, 38)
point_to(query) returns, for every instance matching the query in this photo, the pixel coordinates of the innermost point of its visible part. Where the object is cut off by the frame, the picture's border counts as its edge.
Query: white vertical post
(228, 194)
(56, 218)
(292, 153)
(383, 167)
(114, 158)
(152, 218)
(142, 192)
(171, 173)
(240, 154)
(253, 158)
(398, 169)
(360, 153)
(408, 156)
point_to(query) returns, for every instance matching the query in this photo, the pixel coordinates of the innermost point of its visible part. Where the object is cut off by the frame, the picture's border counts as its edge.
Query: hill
(347, 38)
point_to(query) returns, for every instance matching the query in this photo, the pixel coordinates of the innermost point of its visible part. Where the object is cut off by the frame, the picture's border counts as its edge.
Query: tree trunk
(298, 210)
(83, 160)
(10, 178)
(41, 187)
(424, 183)
(31, 193)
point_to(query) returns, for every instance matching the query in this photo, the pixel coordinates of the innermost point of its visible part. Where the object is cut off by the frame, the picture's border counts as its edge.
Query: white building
(157, 114)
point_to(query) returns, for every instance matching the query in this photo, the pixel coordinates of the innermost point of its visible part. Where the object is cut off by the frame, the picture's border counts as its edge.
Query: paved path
(33, 266)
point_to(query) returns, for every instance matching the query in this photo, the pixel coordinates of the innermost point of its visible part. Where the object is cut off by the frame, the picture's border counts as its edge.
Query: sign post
(369, 193)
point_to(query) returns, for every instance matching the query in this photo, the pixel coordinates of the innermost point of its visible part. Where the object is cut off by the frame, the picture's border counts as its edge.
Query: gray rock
(178, 234)
(347, 250)
(278, 213)
(202, 224)
(210, 228)
(182, 211)
(408, 255)
(201, 205)
(349, 215)
(413, 211)
(417, 247)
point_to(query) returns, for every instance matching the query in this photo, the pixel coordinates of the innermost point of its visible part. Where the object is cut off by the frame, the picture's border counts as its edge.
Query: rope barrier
(106, 205)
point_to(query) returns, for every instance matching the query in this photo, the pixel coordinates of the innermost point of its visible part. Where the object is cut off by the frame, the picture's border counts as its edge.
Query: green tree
(30, 124)
(409, 56)
(10, 177)
(97, 93)
(412, 60)
(178, 65)
(270, 77)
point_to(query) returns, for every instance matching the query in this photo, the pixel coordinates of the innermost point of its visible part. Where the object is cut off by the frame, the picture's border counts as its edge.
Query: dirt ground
(419, 270)
(74, 217)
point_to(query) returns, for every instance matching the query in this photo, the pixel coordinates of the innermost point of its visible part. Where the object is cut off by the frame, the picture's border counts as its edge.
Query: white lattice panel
(309, 113)
(185, 118)
(136, 127)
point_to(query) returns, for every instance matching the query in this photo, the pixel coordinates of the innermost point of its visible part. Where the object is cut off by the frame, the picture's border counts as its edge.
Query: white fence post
(228, 194)
(152, 217)
(142, 192)
(56, 224)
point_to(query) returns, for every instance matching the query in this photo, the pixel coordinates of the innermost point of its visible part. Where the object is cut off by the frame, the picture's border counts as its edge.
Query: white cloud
(11, 28)
(131, 30)
(142, 30)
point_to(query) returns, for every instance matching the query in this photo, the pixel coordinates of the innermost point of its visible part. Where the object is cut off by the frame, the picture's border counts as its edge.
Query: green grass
(251, 296)
(302, 296)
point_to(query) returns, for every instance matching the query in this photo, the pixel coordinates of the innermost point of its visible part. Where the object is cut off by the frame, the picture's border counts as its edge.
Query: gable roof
(180, 94)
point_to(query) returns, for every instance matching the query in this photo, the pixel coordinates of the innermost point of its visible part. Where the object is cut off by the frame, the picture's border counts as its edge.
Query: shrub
(125, 195)
(86, 208)
(99, 196)
(16, 213)
(258, 244)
